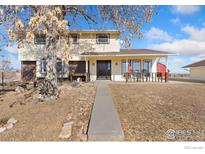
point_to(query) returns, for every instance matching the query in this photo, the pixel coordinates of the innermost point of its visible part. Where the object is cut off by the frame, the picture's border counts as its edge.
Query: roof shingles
(130, 52)
(197, 64)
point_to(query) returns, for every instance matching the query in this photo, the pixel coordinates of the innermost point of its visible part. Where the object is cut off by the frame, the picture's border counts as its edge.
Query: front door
(104, 69)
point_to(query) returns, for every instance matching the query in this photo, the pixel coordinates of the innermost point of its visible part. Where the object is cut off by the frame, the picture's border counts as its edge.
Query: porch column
(126, 65)
(166, 72)
(86, 66)
(86, 70)
(126, 75)
(166, 59)
(141, 64)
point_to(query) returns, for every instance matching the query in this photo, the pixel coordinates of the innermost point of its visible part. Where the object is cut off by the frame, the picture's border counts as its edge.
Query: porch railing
(146, 77)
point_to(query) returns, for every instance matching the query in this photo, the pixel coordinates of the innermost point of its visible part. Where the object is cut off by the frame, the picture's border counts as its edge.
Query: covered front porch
(128, 65)
(125, 68)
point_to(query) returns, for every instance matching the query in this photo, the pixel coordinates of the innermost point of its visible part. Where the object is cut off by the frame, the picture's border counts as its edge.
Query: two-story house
(93, 54)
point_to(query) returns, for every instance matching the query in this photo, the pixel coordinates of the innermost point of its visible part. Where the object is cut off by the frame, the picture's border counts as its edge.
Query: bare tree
(5, 65)
(50, 21)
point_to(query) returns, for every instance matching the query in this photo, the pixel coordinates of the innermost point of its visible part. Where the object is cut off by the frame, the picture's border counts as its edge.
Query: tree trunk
(49, 87)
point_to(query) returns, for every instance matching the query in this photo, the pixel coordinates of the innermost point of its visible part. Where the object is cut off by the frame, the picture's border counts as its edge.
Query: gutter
(127, 55)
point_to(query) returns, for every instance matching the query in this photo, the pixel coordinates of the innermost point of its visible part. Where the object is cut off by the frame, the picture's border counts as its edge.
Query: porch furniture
(159, 76)
(147, 76)
(136, 76)
(82, 76)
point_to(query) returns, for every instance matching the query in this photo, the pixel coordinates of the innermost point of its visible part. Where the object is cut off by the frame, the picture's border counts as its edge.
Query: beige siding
(197, 73)
(87, 43)
(31, 52)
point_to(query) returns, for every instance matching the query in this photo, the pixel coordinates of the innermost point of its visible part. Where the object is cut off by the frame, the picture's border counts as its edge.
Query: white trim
(166, 64)
(128, 55)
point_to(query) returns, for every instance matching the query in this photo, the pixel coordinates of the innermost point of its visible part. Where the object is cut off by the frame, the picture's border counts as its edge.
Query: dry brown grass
(43, 121)
(147, 111)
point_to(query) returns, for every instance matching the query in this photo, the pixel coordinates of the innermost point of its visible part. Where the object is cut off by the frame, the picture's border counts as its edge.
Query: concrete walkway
(105, 124)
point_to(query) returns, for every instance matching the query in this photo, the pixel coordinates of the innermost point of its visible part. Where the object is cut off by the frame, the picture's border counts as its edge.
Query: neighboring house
(197, 70)
(94, 55)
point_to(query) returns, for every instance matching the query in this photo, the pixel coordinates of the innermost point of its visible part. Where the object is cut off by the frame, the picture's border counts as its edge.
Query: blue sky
(177, 29)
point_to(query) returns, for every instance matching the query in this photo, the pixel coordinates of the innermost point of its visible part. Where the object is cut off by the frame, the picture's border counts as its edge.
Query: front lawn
(147, 111)
(43, 121)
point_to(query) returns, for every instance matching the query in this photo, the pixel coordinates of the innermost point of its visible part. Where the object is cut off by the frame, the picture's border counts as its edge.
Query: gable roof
(130, 52)
(197, 64)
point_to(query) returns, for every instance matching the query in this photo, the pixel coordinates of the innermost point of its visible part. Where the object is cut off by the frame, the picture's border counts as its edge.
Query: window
(43, 66)
(123, 68)
(75, 38)
(103, 38)
(136, 67)
(59, 67)
(40, 39)
(147, 66)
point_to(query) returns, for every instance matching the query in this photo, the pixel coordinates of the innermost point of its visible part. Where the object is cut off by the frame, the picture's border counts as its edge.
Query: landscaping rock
(12, 120)
(83, 137)
(43, 98)
(19, 89)
(68, 123)
(69, 116)
(2, 129)
(9, 125)
(82, 99)
(66, 130)
(85, 129)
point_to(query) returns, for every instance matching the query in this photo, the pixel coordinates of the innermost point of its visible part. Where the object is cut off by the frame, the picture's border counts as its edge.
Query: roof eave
(189, 66)
(127, 55)
(94, 31)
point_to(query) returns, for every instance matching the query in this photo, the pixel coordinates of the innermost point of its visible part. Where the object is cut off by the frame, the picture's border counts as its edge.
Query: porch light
(116, 63)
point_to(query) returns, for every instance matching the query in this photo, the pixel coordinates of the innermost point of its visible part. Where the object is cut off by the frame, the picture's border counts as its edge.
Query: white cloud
(197, 58)
(195, 33)
(185, 47)
(158, 34)
(185, 9)
(194, 45)
(12, 49)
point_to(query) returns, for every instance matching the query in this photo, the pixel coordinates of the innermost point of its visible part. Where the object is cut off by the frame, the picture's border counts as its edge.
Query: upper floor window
(43, 66)
(103, 38)
(40, 39)
(75, 38)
